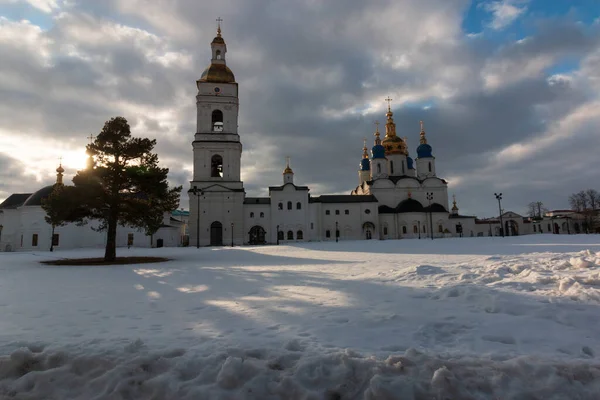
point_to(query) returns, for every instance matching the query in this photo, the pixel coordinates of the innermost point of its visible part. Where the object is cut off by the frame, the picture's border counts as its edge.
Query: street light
(419, 223)
(197, 192)
(232, 234)
(337, 232)
(499, 198)
(430, 197)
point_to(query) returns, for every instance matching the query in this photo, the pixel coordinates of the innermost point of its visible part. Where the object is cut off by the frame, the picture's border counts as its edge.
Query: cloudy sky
(509, 89)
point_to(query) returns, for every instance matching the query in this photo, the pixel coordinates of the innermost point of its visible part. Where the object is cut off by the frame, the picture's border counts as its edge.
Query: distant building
(23, 227)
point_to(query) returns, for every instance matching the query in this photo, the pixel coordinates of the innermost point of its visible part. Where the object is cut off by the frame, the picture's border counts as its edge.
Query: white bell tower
(217, 192)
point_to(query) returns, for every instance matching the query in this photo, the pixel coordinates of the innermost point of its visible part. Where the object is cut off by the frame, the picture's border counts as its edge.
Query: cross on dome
(389, 101)
(219, 20)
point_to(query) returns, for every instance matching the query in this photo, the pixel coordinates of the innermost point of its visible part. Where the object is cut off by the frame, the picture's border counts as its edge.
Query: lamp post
(430, 197)
(499, 198)
(337, 232)
(52, 239)
(419, 223)
(232, 234)
(197, 192)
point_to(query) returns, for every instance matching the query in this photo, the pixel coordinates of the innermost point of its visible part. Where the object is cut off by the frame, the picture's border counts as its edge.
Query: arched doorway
(556, 228)
(511, 228)
(216, 234)
(368, 229)
(257, 235)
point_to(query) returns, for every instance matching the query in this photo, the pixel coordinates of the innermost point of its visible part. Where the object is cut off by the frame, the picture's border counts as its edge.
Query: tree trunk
(110, 253)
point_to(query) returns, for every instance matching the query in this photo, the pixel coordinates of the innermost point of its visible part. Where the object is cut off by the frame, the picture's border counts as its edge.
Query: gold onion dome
(392, 143)
(60, 169)
(217, 71)
(287, 169)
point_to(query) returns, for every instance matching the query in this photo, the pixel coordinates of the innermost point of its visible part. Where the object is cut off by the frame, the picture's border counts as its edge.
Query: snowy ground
(471, 318)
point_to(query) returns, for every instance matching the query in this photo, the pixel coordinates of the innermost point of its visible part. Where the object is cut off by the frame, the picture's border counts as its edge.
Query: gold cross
(377, 126)
(389, 100)
(91, 137)
(422, 129)
(219, 20)
(60, 160)
(287, 159)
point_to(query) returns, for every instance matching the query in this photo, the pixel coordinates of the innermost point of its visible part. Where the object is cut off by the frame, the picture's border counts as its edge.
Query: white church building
(396, 197)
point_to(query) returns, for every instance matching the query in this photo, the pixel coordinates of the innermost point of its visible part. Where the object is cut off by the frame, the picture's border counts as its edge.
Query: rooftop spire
(377, 135)
(287, 169)
(365, 153)
(454, 206)
(219, 20)
(422, 134)
(59, 173)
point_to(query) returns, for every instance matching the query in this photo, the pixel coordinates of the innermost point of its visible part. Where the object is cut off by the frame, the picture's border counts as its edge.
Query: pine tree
(124, 186)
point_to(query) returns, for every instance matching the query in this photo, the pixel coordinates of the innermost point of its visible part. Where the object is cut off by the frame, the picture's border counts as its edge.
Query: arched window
(327, 233)
(391, 167)
(217, 121)
(424, 229)
(216, 166)
(218, 54)
(298, 206)
(415, 229)
(429, 167)
(289, 205)
(327, 212)
(404, 229)
(251, 215)
(280, 235)
(337, 212)
(262, 214)
(280, 206)
(378, 168)
(440, 229)
(290, 235)
(299, 235)
(385, 230)
(347, 212)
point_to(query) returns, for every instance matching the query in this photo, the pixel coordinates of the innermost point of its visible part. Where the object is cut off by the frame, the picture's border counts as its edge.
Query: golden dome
(392, 143)
(287, 169)
(217, 73)
(60, 169)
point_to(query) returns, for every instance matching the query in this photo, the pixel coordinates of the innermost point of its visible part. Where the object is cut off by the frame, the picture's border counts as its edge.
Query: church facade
(396, 197)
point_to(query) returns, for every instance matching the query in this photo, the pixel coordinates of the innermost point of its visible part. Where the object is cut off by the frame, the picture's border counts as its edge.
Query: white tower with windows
(217, 192)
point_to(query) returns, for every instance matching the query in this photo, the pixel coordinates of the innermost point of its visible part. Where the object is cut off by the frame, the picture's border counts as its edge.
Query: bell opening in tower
(216, 169)
(217, 121)
(218, 54)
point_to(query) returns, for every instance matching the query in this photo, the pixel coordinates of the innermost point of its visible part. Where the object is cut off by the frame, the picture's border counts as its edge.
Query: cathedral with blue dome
(396, 197)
